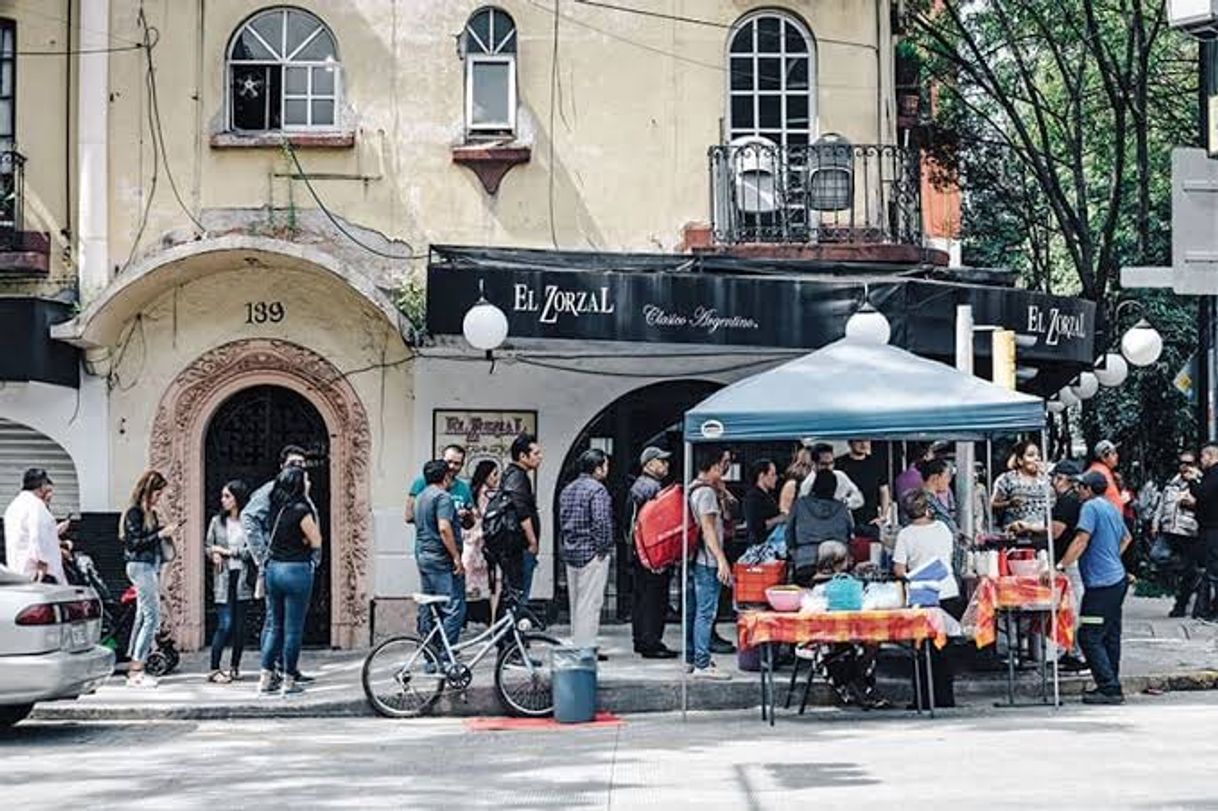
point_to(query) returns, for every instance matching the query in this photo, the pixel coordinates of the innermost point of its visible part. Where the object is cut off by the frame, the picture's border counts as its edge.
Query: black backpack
(501, 535)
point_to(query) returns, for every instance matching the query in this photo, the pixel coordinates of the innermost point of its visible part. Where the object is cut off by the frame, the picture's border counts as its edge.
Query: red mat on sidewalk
(497, 724)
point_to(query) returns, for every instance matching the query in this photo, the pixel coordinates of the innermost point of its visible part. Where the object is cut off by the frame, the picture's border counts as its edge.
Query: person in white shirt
(847, 491)
(31, 537)
(923, 540)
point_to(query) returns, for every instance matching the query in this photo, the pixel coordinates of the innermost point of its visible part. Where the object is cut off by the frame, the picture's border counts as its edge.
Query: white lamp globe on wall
(1086, 387)
(485, 326)
(868, 326)
(1112, 370)
(1066, 395)
(1142, 344)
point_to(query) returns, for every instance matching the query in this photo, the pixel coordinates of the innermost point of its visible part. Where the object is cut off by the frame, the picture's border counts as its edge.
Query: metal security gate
(22, 447)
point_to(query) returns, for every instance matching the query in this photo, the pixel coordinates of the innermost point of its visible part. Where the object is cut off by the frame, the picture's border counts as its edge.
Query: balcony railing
(12, 182)
(830, 192)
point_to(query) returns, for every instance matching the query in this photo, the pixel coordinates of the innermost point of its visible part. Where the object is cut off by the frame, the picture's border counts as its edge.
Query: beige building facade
(228, 207)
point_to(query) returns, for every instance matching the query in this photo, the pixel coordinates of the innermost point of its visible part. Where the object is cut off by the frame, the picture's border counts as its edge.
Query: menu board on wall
(484, 433)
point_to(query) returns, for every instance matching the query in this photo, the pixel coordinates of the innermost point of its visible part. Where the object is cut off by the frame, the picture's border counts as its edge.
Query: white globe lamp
(1086, 387)
(485, 326)
(868, 326)
(1055, 406)
(1112, 370)
(1066, 395)
(1142, 344)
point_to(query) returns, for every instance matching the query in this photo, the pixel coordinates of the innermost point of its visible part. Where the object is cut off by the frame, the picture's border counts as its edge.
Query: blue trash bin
(573, 677)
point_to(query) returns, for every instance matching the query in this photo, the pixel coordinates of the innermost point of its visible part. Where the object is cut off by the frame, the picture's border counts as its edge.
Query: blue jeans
(147, 609)
(230, 623)
(288, 588)
(701, 602)
(441, 580)
(1099, 634)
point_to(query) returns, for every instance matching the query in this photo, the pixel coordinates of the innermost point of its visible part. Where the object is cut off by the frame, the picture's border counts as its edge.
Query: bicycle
(404, 676)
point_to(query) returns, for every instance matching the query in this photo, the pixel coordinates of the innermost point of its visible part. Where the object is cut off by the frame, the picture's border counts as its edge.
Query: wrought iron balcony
(12, 182)
(829, 192)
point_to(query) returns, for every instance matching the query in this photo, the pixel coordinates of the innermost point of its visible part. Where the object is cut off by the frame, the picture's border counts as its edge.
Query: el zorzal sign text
(757, 311)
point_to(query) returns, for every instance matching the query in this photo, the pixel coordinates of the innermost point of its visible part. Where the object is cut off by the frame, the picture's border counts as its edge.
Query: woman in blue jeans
(289, 577)
(143, 540)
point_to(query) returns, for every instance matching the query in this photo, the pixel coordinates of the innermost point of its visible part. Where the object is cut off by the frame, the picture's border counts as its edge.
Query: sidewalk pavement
(1170, 654)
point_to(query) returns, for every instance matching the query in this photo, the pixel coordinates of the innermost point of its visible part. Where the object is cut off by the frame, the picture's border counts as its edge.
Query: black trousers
(1190, 553)
(1207, 594)
(1099, 634)
(941, 681)
(649, 607)
(230, 624)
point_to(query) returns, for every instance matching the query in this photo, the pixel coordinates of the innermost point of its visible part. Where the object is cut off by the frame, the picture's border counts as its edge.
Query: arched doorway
(648, 415)
(177, 444)
(243, 440)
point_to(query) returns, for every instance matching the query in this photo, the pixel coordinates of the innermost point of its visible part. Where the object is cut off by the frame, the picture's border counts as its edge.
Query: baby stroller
(118, 618)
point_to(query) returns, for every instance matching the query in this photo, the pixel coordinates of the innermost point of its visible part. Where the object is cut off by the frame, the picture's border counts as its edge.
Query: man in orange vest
(1106, 461)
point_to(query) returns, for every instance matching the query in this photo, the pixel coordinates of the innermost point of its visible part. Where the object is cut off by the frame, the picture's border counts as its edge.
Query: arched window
(490, 72)
(771, 80)
(283, 73)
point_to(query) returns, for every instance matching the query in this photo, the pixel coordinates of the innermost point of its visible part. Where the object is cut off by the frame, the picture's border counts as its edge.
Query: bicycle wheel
(402, 678)
(524, 686)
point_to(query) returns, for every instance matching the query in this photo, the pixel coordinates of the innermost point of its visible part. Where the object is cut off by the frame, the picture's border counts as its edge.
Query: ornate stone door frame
(176, 449)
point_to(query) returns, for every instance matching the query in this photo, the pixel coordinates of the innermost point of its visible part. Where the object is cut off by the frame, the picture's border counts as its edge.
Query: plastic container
(750, 581)
(573, 678)
(784, 598)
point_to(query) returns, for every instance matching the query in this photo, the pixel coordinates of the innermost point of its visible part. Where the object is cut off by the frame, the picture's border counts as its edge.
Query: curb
(617, 697)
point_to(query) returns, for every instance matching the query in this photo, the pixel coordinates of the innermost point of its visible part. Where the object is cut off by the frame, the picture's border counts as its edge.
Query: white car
(48, 644)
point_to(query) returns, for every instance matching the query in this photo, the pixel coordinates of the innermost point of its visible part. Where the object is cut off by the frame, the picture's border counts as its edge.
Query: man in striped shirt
(585, 516)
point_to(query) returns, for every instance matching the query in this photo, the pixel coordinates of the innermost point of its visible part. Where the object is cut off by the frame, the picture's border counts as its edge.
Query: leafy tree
(1057, 120)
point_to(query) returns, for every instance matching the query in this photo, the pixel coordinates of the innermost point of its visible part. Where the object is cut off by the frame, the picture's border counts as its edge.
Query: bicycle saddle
(429, 599)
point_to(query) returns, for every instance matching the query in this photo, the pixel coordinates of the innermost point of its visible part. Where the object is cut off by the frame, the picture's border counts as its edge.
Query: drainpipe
(92, 248)
(92, 243)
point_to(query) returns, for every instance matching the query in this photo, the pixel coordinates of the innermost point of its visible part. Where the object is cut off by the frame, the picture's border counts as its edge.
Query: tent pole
(1044, 449)
(686, 470)
(989, 485)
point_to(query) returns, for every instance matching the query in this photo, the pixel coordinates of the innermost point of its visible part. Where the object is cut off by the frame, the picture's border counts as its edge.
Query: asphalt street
(1155, 752)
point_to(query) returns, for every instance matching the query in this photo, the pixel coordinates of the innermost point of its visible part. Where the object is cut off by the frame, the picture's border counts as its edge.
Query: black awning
(649, 298)
(29, 353)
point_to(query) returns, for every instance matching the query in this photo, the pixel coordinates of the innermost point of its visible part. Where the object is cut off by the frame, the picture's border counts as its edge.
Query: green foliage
(1057, 121)
(411, 299)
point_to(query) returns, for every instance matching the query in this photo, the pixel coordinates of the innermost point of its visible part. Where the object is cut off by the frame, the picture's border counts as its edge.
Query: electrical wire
(659, 15)
(287, 145)
(553, 95)
(152, 185)
(81, 52)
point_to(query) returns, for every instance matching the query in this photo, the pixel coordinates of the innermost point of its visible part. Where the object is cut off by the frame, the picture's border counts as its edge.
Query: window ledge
(274, 140)
(26, 253)
(491, 163)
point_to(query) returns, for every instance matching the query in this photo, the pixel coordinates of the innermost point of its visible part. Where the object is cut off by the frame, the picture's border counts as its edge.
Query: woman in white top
(233, 576)
(924, 539)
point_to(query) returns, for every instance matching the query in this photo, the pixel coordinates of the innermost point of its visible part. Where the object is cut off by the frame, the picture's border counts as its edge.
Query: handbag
(844, 593)
(260, 573)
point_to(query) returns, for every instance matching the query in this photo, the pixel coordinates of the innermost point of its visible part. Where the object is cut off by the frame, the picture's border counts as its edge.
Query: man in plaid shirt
(585, 516)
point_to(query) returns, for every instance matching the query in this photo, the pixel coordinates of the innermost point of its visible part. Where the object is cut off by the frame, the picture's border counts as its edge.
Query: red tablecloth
(901, 625)
(1023, 593)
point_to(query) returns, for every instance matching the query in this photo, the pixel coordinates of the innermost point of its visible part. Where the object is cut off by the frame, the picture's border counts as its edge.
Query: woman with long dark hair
(289, 577)
(144, 541)
(233, 573)
(478, 575)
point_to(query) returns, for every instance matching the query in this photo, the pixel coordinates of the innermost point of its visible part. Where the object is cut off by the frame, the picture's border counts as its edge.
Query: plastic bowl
(1024, 568)
(784, 598)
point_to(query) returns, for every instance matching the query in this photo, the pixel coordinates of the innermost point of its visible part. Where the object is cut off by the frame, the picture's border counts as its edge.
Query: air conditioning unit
(1197, 17)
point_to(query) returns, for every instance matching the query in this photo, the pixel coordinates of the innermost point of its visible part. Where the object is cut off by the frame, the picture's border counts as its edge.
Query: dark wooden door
(243, 442)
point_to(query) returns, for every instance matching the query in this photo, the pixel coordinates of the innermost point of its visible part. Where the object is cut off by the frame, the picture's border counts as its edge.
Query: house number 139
(260, 312)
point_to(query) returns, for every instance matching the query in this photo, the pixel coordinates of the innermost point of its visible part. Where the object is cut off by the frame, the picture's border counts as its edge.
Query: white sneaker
(711, 673)
(141, 679)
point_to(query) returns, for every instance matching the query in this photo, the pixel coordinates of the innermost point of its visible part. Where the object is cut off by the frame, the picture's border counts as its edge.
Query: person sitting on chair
(816, 517)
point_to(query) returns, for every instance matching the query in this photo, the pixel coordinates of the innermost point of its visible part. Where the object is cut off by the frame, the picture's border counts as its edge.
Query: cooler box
(751, 580)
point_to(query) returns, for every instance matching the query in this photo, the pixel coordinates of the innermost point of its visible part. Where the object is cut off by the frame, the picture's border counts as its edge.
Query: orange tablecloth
(902, 625)
(1024, 593)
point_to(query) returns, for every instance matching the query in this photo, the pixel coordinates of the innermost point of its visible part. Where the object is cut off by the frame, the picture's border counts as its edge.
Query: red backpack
(657, 529)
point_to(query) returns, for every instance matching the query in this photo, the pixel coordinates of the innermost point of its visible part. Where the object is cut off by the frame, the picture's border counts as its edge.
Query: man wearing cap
(1099, 540)
(1204, 489)
(1106, 461)
(31, 538)
(649, 599)
(1066, 509)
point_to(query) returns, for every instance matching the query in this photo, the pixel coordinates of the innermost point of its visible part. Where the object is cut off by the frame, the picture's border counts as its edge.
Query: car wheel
(13, 713)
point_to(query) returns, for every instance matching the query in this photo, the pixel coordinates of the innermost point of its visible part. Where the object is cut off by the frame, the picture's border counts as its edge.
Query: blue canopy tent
(857, 389)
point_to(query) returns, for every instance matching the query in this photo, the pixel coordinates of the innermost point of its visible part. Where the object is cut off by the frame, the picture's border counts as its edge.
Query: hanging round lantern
(868, 326)
(1086, 387)
(1112, 370)
(1142, 344)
